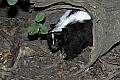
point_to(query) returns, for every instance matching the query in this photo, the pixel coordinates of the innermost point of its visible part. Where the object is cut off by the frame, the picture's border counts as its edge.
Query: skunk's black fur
(72, 39)
(77, 37)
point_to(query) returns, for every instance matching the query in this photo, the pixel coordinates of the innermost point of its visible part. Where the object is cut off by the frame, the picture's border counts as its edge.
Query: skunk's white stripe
(80, 16)
(53, 39)
(65, 15)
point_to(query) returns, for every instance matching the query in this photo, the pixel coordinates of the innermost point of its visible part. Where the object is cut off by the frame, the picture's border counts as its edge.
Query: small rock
(27, 52)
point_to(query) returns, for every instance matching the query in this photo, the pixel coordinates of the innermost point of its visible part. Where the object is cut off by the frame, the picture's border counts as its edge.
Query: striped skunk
(72, 33)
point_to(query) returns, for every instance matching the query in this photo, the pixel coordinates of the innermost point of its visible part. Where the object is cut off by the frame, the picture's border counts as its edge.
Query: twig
(3, 73)
(17, 59)
(112, 75)
(2, 33)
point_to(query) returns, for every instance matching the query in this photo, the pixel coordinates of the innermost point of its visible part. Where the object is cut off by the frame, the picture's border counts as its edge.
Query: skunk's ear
(52, 25)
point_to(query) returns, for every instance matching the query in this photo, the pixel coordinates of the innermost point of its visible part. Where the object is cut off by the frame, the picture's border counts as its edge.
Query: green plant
(36, 26)
(12, 2)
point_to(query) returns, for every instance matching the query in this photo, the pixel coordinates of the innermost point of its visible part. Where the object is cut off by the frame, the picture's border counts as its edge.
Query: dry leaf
(61, 72)
(5, 54)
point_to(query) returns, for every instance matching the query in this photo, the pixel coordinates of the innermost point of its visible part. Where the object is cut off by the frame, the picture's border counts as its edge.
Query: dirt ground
(21, 59)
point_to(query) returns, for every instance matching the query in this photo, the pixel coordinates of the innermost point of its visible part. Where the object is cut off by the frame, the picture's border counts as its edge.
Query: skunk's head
(55, 40)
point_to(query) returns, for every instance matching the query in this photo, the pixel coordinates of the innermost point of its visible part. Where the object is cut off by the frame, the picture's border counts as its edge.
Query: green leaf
(33, 28)
(43, 29)
(40, 16)
(12, 2)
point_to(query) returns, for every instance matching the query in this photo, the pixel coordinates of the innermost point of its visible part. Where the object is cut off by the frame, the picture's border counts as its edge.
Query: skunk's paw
(70, 58)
